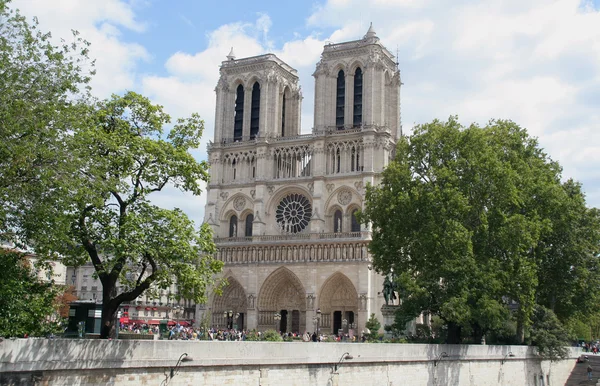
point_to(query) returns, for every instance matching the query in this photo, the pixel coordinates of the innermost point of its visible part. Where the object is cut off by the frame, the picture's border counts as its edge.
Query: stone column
(220, 113)
(247, 111)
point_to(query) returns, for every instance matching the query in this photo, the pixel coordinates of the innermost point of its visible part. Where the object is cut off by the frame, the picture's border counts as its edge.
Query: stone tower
(283, 205)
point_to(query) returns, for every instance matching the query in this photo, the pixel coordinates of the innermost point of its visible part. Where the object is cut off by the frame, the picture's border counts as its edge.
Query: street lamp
(228, 316)
(277, 318)
(174, 370)
(345, 356)
(317, 319)
(439, 358)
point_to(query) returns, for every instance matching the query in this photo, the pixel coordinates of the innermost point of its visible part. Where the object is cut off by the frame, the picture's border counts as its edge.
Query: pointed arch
(338, 221)
(358, 93)
(238, 119)
(338, 301)
(285, 97)
(282, 290)
(233, 226)
(233, 298)
(255, 110)
(340, 100)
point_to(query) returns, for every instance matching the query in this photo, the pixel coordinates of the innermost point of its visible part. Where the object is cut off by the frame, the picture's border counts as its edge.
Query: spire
(371, 32)
(231, 55)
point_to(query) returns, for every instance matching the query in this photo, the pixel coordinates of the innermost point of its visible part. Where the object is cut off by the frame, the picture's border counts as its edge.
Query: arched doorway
(282, 293)
(230, 309)
(338, 304)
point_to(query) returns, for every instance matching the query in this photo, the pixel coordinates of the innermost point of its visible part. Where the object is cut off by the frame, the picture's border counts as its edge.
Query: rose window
(293, 213)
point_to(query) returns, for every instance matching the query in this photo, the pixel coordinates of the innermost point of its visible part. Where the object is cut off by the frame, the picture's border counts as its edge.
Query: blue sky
(536, 62)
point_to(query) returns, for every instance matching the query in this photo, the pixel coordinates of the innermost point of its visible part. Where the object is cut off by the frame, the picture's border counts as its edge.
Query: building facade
(283, 204)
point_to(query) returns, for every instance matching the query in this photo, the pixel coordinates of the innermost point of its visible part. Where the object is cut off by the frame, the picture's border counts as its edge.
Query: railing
(343, 251)
(362, 235)
(259, 59)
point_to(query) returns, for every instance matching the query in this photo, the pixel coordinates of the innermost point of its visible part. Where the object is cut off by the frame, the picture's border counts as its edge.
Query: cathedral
(283, 204)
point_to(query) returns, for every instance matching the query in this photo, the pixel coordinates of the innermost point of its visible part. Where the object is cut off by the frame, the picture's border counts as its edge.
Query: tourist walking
(589, 371)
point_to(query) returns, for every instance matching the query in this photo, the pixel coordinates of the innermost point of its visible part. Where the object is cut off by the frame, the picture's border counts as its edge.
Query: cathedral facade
(283, 204)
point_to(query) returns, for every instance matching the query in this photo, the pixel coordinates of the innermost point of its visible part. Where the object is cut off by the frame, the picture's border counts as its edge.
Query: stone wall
(87, 362)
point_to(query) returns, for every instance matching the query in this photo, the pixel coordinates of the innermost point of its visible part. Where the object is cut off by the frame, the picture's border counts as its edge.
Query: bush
(272, 336)
(373, 325)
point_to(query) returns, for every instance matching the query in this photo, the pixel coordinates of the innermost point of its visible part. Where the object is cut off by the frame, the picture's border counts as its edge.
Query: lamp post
(277, 318)
(174, 370)
(228, 316)
(345, 356)
(317, 320)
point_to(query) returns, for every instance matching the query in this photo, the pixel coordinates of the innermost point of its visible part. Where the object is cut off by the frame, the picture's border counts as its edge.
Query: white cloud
(535, 62)
(100, 23)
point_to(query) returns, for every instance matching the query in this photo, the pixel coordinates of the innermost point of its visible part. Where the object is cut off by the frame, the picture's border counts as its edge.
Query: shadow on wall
(61, 353)
(443, 367)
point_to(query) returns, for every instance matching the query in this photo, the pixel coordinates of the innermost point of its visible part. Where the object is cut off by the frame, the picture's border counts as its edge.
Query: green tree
(272, 336)
(42, 89)
(119, 156)
(373, 325)
(548, 334)
(27, 305)
(467, 216)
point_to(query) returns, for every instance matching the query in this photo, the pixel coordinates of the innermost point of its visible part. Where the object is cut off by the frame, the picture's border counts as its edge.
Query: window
(337, 221)
(293, 213)
(358, 85)
(283, 116)
(249, 221)
(255, 110)
(233, 167)
(355, 223)
(238, 120)
(233, 226)
(340, 100)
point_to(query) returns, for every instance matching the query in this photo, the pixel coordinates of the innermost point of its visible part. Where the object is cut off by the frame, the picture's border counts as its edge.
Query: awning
(124, 320)
(184, 323)
(154, 321)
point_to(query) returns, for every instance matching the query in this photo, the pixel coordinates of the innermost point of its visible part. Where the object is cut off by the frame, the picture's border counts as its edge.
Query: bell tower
(357, 84)
(256, 97)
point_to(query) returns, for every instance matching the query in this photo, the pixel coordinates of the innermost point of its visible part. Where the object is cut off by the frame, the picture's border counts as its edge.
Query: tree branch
(89, 246)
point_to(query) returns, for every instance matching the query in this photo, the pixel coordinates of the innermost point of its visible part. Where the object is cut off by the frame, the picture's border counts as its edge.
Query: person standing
(589, 371)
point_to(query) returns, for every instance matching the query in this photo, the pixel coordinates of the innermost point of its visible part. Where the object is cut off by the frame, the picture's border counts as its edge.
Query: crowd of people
(180, 332)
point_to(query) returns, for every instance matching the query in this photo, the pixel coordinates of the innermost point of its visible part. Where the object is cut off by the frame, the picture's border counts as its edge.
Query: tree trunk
(520, 336)
(477, 334)
(109, 310)
(454, 332)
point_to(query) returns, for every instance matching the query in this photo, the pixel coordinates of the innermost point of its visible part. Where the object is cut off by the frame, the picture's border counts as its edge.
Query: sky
(536, 62)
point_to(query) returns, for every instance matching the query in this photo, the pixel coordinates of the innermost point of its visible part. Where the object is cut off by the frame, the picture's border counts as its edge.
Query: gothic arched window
(283, 115)
(340, 102)
(255, 110)
(249, 221)
(337, 221)
(355, 223)
(238, 120)
(358, 86)
(233, 226)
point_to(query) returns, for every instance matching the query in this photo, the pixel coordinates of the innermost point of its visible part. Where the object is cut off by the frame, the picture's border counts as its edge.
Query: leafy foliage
(27, 305)
(272, 336)
(77, 175)
(548, 334)
(373, 325)
(477, 220)
(42, 90)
